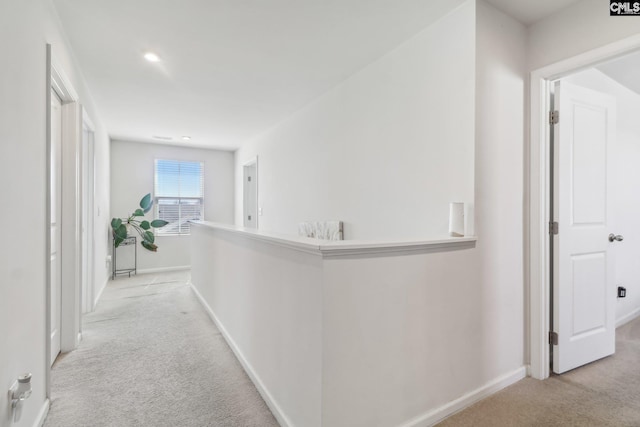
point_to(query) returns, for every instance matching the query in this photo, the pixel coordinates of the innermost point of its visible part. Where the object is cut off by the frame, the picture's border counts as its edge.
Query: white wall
(583, 26)
(403, 336)
(25, 29)
(473, 302)
(386, 150)
(267, 300)
(132, 166)
(102, 201)
(379, 334)
(625, 204)
(499, 191)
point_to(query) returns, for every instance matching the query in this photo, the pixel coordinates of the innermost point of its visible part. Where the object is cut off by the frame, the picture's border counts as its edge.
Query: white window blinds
(179, 194)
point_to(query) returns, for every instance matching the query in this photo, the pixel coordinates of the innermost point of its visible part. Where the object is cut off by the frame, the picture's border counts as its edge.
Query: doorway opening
(250, 193)
(55, 215)
(545, 218)
(583, 188)
(63, 214)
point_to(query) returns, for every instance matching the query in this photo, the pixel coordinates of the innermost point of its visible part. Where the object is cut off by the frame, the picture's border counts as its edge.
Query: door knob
(615, 237)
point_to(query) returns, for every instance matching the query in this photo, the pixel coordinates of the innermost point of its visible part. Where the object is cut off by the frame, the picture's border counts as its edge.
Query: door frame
(250, 162)
(537, 248)
(57, 80)
(88, 214)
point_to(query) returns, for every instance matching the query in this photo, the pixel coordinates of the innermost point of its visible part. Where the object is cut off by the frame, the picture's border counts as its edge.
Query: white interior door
(584, 292)
(250, 190)
(56, 210)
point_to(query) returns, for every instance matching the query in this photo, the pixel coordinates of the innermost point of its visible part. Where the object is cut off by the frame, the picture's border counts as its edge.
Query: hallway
(150, 356)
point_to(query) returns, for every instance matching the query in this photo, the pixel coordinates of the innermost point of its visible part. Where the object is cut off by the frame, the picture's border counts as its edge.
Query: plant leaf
(157, 223)
(149, 208)
(117, 240)
(149, 246)
(138, 212)
(121, 231)
(146, 202)
(145, 225)
(148, 236)
(115, 223)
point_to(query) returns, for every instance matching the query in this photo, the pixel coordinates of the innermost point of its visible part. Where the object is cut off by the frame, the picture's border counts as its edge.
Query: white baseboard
(163, 269)
(99, 294)
(628, 318)
(282, 419)
(44, 411)
(432, 417)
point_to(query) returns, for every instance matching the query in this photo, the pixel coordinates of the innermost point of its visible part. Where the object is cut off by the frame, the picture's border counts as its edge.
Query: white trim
(164, 269)
(71, 256)
(390, 248)
(277, 412)
(87, 217)
(344, 248)
(104, 286)
(538, 240)
(628, 318)
(47, 215)
(42, 415)
(435, 416)
(61, 83)
(86, 120)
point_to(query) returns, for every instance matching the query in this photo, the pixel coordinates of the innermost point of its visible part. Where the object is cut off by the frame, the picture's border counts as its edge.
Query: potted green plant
(121, 226)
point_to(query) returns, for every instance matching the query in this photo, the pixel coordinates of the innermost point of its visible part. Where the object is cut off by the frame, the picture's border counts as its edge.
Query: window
(179, 194)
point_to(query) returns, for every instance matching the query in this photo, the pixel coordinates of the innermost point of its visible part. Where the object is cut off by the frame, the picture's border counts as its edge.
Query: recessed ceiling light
(186, 138)
(151, 57)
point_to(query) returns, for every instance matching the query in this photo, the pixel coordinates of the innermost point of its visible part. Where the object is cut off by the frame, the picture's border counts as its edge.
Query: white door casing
(87, 241)
(56, 212)
(584, 292)
(63, 210)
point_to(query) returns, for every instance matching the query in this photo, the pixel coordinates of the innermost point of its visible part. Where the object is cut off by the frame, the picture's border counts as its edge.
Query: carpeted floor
(601, 394)
(150, 356)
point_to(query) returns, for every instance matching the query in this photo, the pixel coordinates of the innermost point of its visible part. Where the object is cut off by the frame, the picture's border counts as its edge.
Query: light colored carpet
(603, 393)
(150, 356)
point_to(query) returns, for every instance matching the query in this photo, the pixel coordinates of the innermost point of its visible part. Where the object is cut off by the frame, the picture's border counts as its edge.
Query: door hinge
(553, 338)
(553, 227)
(554, 117)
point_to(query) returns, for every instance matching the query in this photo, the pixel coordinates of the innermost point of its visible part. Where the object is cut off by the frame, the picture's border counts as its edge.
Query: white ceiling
(530, 11)
(230, 69)
(624, 70)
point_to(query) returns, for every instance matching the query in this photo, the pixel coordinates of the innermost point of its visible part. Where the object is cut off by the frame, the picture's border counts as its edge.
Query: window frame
(179, 198)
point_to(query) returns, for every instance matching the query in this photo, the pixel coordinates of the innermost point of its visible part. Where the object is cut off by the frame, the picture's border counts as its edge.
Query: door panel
(250, 190)
(588, 296)
(56, 205)
(588, 171)
(584, 291)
